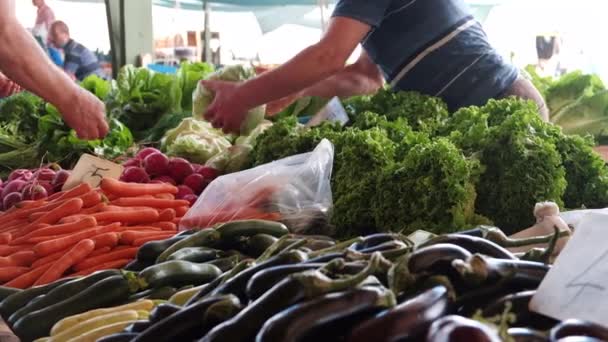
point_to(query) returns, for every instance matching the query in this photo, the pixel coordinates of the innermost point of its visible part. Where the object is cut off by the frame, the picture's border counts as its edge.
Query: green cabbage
(202, 98)
(194, 140)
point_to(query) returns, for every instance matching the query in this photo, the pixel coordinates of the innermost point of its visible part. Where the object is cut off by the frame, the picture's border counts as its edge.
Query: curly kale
(422, 112)
(521, 169)
(431, 189)
(361, 155)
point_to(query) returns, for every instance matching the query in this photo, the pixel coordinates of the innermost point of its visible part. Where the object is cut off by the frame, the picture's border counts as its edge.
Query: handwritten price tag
(577, 285)
(333, 111)
(92, 170)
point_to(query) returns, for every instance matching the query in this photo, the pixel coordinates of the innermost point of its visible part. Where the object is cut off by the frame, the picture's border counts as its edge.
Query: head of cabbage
(194, 140)
(202, 97)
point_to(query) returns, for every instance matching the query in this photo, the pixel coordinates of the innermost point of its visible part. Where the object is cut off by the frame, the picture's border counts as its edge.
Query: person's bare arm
(23, 61)
(312, 65)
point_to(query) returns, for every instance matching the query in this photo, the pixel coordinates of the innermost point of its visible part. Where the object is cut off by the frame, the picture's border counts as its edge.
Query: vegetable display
(82, 230)
(404, 163)
(383, 287)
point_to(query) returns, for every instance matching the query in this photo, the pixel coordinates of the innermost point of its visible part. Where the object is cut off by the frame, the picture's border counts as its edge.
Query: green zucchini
(257, 244)
(204, 238)
(18, 300)
(195, 254)
(151, 250)
(107, 292)
(225, 264)
(62, 292)
(236, 229)
(7, 291)
(178, 273)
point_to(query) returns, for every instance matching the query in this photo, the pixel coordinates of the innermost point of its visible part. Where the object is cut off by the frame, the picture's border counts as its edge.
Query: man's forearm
(346, 83)
(23, 61)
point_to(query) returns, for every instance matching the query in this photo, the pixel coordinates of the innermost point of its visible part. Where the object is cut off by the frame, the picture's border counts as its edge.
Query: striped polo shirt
(80, 61)
(435, 47)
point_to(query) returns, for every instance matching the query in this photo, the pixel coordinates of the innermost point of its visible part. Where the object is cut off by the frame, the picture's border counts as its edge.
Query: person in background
(435, 47)
(24, 62)
(44, 19)
(79, 62)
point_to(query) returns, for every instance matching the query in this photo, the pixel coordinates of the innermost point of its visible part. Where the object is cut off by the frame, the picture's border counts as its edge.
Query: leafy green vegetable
(164, 124)
(587, 115)
(203, 97)
(188, 75)
(541, 83)
(194, 140)
(97, 86)
(19, 115)
(142, 97)
(569, 88)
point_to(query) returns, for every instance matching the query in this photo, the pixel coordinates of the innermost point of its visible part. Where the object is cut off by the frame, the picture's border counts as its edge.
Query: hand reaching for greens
(86, 115)
(225, 111)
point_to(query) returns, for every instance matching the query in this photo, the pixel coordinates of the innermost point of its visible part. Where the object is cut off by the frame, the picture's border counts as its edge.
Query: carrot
(8, 250)
(34, 216)
(49, 258)
(76, 191)
(122, 189)
(106, 239)
(19, 233)
(44, 208)
(49, 247)
(149, 202)
(66, 228)
(5, 238)
(99, 207)
(75, 255)
(131, 216)
(15, 223)
(100, 251)
(38, 239)
(142, 228)
(70, 207)
(55, 196)
(30, 204)
(129, 237)
(90, 199)
(11, 272)
(143, 240)
(73, 218)
(166, 215)
(116, 264)
(181, 211)
(23, 258)
(128, 253)
(165, 196)
(28, 279)
(117, 208)
(165, 225)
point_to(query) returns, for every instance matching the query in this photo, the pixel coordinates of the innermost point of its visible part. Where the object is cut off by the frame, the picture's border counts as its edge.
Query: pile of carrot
(83, 230)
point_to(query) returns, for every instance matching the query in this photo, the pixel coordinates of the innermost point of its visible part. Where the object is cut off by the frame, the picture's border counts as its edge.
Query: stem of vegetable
(336, 248)
(272, 250)
(497, 236)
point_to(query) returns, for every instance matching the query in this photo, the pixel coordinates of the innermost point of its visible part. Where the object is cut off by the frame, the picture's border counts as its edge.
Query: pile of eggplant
(253, 281)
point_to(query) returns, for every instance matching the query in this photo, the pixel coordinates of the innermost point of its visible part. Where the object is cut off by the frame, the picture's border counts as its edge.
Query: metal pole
(207, 48)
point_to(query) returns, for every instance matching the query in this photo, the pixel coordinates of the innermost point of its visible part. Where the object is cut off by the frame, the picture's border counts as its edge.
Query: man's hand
(8, 87)
(226, 111)
(86, 115)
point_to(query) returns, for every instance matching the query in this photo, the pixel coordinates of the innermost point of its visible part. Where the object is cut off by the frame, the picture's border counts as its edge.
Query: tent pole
(207, 48)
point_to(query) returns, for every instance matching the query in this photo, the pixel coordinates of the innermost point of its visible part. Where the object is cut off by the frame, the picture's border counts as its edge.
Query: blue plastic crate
(165, 69)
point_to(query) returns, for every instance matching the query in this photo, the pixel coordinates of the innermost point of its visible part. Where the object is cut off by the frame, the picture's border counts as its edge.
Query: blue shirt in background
(55, 56)
(435, 47)
(81, 61)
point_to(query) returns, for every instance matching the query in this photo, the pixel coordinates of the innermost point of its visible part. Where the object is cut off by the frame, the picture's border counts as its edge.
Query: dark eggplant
(472, 244)
(138, 326)
(525, 274)
(205, 290)
(184, 325)
(372, 241)
(436, 258)
(457, 329)
(519, 305)
(238, 284)
(162, 293)
(162, 311)
(573, 328)
(257, 244)
(265, 279)
(196, 254)
(303, 321)
(293, 289)
(409, 320)
(120, 337)
(138, 265)
(526, 335)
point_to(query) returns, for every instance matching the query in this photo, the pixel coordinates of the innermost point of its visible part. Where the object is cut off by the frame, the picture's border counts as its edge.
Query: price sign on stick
(577, 285)
(92, 170)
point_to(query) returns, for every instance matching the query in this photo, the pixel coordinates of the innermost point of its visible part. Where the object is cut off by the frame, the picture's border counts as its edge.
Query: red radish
(183, 191)
(48, 187)
(208, 172)
(156, 164)
(132, 162)
(135, 175)
(195, 182)
(13, 186)
(60, 177)
(34, 192)
(165, 179)
(143, 153)
(179, 169)
(191, 198)
(20, 174)
(44, 175)
(197, 167)
(11, 199)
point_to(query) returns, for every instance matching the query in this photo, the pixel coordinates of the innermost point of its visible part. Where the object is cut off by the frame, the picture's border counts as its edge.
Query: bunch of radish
(34, 184)
(152, 166)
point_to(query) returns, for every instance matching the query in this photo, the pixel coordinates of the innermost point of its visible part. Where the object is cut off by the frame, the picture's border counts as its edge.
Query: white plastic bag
(295, 190)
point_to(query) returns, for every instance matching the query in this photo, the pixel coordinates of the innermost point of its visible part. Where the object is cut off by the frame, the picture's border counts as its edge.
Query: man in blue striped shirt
(79, 61)
(431, 46)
